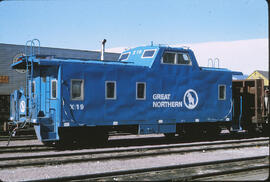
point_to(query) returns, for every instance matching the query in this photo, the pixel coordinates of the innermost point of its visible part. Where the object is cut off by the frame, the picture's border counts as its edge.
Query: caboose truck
(150, 89)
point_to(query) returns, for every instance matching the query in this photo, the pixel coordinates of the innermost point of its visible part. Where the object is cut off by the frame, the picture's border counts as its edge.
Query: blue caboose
(150, 89)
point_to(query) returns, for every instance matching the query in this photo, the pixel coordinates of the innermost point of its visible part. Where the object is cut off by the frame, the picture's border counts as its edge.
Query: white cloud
(242, 55)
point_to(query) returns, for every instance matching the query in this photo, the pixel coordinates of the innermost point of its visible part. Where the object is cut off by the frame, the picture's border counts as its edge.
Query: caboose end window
(221, 92)
(77, 87)
(33, 87)
(140, 90)
(110, 90)
(53, 89)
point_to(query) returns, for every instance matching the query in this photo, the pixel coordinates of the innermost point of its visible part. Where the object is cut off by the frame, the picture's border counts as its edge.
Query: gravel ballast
(31, 173)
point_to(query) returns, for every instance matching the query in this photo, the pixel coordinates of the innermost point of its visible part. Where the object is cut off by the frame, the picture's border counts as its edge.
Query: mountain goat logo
(191, 99)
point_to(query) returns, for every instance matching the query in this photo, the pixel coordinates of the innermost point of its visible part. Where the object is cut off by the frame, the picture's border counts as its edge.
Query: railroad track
(127, 153)
(184, 172)
(18, 137)
(110, 144)
(24, 149)
(42, 148)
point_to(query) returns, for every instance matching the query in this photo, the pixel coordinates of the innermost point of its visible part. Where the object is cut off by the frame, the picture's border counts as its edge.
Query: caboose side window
(110, 90)
(77, 87)
(53, 89)
(168, 58)
(140, 90)
(222, 92)
(183, 59)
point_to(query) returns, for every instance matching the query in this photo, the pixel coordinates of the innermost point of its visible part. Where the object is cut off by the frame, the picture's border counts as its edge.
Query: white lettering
(77, 107)
(163, 100)
(81, 107)
(161, 96)
(72, 106)
(167, 104)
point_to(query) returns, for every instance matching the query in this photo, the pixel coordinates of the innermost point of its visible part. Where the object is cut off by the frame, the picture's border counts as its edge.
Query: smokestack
(103, 49)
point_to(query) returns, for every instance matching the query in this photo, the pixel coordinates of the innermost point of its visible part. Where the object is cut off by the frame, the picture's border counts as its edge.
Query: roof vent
(103, 49)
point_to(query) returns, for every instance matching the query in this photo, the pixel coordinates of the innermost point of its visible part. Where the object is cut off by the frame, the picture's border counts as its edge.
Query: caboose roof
(143, 56)
(52, 61)
(140, 56)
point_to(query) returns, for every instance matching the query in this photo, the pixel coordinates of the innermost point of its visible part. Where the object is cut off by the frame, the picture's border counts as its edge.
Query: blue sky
(82, 24)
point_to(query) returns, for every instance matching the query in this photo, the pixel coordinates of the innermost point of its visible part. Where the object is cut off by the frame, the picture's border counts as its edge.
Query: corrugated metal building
(11, 79)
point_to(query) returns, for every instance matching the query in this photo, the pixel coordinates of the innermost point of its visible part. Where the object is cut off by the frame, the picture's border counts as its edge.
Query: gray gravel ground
(21, 142)
(30, 173)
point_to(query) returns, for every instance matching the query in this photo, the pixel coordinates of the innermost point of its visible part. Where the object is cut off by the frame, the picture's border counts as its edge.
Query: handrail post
(216, 59)
(210, 60)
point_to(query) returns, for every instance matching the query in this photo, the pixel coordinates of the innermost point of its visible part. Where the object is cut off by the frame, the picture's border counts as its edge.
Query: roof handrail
(216, 59)
(210, 61)
(25, 47)
(33, 41)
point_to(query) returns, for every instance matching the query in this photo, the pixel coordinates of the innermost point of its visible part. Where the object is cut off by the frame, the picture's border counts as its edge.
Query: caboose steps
(46, 128)
(48, 136)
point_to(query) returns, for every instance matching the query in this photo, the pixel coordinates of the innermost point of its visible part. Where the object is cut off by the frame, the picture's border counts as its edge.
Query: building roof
(264, 73)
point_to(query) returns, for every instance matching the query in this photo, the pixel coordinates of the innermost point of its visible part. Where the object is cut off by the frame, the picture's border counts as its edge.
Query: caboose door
(48, 101)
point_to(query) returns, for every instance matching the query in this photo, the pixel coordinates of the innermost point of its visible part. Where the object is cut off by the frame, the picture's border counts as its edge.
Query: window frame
(175, 53)
(176, 58)
(144, 91)
(124, 54)
(182, 53)
(148, 50)
(219, 86)
(54, 80)
(115, 90)
(82, 90)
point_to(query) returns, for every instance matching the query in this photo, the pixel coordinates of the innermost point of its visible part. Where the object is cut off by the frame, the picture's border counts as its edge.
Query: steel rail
(25, 148)
(42, 160)
(23, 137)
(113, 175)
(30, 148)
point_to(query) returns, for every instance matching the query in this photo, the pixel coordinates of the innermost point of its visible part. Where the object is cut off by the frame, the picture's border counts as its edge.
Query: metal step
(47, 128)
(48, 136)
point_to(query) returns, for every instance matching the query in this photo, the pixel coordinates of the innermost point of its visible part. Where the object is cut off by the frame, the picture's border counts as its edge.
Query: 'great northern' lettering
(167, 104)
(163, 100)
